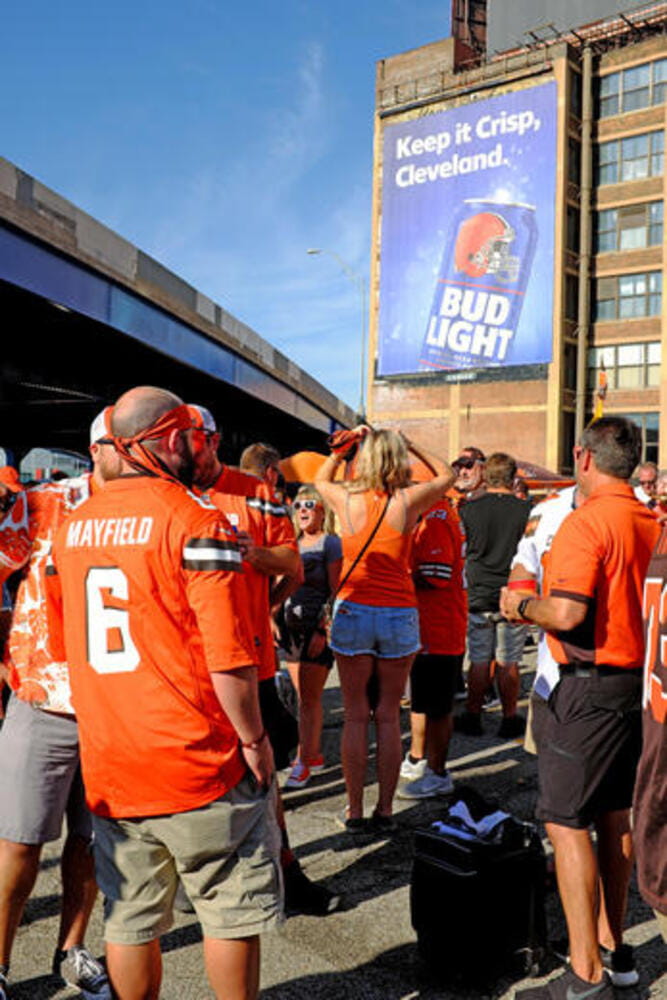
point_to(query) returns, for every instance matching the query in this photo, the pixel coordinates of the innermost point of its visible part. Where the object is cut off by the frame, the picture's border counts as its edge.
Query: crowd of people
(155, 596)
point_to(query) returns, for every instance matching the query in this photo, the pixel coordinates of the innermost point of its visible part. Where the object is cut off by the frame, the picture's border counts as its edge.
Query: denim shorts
(489, 640)
(388, 633)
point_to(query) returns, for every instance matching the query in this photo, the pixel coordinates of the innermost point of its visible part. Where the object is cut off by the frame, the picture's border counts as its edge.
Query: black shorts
(281, 726)
(589, 742)
(433, 681)
(294, 644)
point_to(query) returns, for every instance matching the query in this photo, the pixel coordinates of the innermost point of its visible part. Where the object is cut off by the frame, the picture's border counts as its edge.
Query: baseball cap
(101, 425)
(202, 419)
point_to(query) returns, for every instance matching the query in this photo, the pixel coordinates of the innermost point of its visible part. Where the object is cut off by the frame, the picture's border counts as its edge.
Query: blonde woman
(375, 628)
(303, 633)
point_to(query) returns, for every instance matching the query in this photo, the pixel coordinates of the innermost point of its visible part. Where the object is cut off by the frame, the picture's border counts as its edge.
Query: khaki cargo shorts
(226, 854)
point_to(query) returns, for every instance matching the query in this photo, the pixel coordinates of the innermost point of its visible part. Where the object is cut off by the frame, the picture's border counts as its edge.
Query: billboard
(466, 258)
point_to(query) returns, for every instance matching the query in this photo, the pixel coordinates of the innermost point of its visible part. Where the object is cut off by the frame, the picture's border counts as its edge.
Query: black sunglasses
(464, 463)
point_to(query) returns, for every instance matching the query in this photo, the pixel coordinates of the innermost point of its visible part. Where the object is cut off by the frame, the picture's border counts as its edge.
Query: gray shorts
(489, 640)
(40, 776)
(226, 854)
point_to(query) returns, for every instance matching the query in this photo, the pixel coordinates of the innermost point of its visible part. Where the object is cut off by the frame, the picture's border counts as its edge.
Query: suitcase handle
(452, 869)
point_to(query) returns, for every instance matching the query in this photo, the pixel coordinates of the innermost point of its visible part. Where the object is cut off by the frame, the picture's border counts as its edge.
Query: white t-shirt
(543, 522)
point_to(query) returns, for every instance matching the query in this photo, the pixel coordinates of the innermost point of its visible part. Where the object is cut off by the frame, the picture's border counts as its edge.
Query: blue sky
(222, 138)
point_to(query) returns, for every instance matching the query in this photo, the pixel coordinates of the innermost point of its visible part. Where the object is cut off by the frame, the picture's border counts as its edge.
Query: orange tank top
(382, 577)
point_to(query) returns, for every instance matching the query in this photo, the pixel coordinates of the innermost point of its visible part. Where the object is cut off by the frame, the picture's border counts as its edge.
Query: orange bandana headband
(135, 454)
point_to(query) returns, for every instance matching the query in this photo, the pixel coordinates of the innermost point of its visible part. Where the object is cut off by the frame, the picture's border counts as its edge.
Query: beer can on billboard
(481, 286)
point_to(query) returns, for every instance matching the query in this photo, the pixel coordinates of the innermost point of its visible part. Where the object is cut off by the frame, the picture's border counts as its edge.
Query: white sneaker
(429, 786)
(412, 770)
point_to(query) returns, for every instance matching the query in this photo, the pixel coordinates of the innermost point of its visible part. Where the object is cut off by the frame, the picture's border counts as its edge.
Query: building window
(573, 161)
(633, 88)
(571, 297)
(628, 296)
(649, 424)
(575, 93)
(630, 159)
(636, 87)
(570, 366)
(568, 440)
(629, 228)
(572, 238)
(628, 366)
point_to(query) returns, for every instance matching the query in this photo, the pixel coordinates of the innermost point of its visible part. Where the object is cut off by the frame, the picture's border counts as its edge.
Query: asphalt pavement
(367, 949)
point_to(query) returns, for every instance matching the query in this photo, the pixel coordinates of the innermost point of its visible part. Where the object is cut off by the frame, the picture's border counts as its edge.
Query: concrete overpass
(86, 314)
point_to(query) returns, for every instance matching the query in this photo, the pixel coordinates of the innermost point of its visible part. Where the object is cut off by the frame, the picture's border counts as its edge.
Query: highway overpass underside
(60, 368)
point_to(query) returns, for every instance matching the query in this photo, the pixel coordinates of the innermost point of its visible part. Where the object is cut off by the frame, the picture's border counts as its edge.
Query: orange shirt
(152, 601)
(438, 557)
(250, 505)
(383, 575)
(15, 541)
(33, 666)
(599, 556)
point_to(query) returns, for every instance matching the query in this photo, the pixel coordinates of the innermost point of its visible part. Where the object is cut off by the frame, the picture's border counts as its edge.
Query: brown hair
(500, 470)
(258, 458)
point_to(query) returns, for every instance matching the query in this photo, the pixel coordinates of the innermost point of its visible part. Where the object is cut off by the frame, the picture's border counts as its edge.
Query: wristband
(530, 584)
(521, 608)
(254, 744)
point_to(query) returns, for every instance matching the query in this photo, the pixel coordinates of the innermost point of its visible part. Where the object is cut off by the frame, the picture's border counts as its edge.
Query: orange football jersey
(438, 557)
(251, 505)
(33, 667)
(152, 601)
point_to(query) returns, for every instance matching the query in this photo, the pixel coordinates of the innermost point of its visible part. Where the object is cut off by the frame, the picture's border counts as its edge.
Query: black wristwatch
(521, 607)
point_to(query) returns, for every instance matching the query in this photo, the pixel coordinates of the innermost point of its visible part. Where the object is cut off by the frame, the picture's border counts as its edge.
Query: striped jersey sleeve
(207, 554)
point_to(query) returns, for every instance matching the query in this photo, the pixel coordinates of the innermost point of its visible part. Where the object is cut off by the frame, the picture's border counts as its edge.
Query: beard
(185, 467)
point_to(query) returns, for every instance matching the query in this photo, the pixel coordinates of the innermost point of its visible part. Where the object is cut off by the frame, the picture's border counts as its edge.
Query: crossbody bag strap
(361, 551)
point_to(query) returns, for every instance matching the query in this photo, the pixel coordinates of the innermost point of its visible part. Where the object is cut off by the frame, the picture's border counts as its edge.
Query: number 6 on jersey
(110, 646)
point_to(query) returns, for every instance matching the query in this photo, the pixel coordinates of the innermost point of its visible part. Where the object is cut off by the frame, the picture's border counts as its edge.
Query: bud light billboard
(466, 275)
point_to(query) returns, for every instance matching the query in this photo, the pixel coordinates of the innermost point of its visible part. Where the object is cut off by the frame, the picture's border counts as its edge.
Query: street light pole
(359, 282)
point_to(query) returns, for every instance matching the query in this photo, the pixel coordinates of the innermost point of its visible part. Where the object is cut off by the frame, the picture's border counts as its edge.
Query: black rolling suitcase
(477, 903)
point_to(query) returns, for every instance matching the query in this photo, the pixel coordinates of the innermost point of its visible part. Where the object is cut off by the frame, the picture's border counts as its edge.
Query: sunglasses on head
(306, 504)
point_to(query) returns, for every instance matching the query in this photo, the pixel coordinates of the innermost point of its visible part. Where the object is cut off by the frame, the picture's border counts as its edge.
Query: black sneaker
(511, 727)
(569, 986)
(620, 965)
(358, 827)
(468, 723)
(383, 826)
(304, 896)
(77, 967)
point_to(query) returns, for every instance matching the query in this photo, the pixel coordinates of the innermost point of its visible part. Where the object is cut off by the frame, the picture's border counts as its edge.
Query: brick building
(601, 249)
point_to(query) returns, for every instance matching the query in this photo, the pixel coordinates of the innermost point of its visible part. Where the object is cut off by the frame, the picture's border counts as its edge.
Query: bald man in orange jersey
(178, 769)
